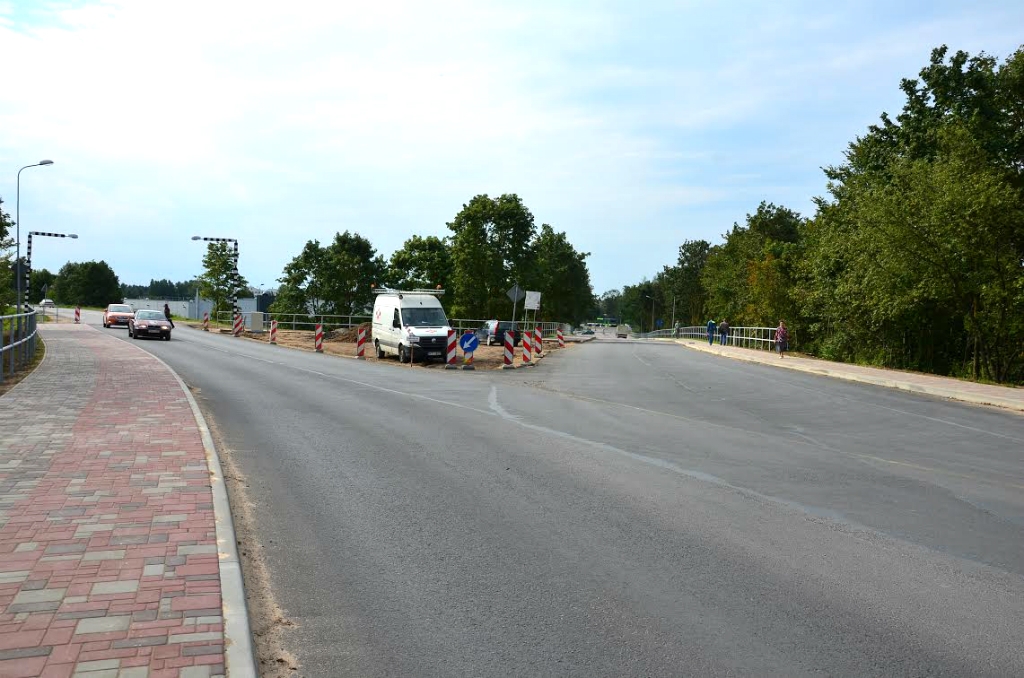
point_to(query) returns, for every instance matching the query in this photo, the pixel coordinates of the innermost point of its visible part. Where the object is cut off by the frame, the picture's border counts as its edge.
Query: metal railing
(745, 337)
(18, 335)
(298, 321)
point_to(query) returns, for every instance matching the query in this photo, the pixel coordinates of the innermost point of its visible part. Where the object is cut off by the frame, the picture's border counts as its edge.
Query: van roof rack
(418, 290)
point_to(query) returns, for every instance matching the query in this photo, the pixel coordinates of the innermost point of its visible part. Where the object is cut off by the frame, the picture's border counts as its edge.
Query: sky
(630, 126)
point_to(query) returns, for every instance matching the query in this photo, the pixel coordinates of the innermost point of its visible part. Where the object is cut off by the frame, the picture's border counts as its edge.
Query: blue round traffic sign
(468, 343)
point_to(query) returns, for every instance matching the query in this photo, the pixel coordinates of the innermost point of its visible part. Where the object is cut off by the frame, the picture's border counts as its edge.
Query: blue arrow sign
(468, 343)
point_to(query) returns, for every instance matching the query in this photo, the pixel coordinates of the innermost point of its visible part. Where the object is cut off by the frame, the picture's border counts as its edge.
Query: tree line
(494, 244)
(913, 259)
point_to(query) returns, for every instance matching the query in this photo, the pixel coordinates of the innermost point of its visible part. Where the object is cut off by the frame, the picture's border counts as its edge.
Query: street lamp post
(28, 259)
(647, 296)
(235, 326)
(17, 221)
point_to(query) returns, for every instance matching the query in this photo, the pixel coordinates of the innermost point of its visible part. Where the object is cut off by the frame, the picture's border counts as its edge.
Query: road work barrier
(452, 352)
(78, 314)
(510, 352)
(238, 325)
(273, 331)
(538, 343)
(361, 344)
(526, 347)
(318, 338)
(206, 322)
(561, 339)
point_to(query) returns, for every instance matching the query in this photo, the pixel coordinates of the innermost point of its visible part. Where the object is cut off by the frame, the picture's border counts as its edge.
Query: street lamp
(17, 221)
(236, 327)
(28, 259)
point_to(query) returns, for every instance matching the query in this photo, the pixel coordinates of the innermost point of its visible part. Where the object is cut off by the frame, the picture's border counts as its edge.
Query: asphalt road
(623, 509)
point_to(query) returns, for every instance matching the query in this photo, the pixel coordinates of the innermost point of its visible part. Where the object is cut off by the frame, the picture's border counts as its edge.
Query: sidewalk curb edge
(239, 652)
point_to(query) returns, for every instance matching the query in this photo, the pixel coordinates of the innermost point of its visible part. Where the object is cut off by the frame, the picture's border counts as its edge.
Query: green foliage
(421, 263)
(560, 273)
(332, 280)
(491, 251)
(218, 281)
(90, 283)
(748, 278)
(495, 245)
(916, 258)
(8, 295)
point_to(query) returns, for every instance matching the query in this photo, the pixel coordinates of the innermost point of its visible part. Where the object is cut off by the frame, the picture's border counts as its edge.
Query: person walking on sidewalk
(723, 332)
(781, 338)
(167, 314)
(711, 332)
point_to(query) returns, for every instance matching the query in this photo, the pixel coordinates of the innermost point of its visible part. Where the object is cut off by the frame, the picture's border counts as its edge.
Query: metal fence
(295, 321)
(19, 342)
(745, 337)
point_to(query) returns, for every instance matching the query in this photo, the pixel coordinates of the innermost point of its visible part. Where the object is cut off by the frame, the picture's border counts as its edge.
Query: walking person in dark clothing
(781, 338)
(723, 332)
(711, 332)
(167, 314)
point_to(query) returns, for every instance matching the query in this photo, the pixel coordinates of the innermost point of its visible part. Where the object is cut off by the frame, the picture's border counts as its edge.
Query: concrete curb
(239, 651)
(925, 389)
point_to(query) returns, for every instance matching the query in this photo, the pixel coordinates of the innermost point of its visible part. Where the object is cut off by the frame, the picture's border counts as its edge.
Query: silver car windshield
(424, 317)
(149, 315)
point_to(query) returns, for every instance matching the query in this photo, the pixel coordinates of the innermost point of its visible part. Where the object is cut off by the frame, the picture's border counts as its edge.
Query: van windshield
(424, 317)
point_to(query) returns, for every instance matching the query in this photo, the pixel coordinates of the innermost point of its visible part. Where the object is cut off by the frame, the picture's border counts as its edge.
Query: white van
(410, 324)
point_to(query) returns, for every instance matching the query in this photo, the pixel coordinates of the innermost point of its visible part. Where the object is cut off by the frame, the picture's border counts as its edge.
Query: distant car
(148, 323)
(47, 303)
(117, 314)
(622, 332)
(493, 332)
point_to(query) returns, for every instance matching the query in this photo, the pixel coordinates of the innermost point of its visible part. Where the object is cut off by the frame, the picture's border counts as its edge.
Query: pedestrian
(167, 314)
(781, 338)
(723, 332)
(711, 332)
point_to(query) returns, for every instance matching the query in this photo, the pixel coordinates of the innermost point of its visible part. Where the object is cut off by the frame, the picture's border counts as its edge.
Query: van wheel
(403, 353)
(380, 351)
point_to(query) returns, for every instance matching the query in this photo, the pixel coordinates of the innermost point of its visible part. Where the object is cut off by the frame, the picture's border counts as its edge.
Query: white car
(47, 303)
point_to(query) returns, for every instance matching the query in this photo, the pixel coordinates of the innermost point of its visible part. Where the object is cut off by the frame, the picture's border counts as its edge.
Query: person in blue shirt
(711, 332)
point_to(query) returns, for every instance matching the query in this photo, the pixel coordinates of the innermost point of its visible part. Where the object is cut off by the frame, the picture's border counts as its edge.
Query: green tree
(8, 295)
(748, 279)
(41, 282)
(560, 273)
(218, 281)
(491, 251)
(332, 280)
(421, 263)
(90, 283)
(916, 258)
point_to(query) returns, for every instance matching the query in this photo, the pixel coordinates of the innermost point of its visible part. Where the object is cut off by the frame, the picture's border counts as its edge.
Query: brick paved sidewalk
(108, 549)
(944, 387)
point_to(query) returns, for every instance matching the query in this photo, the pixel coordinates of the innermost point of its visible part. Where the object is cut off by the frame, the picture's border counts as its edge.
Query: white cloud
(277, 123)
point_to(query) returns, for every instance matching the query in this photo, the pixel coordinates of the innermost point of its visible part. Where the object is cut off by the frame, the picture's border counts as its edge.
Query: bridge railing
(746, 337)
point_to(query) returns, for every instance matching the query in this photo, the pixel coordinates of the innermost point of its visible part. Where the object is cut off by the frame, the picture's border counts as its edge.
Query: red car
(148, 323)
(117, 314)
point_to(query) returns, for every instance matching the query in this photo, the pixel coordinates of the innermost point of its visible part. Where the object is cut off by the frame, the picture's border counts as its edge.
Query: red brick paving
(108, 549)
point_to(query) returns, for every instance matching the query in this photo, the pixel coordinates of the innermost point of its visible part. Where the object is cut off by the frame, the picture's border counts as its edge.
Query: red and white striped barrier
(361, 344)
(273, 331)
(561, 339)
(510, 352)
(538, 343)
(78, 314)
(452, 353)
(238, 325)
(526, 348)
(206, 322)
(318, 338)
